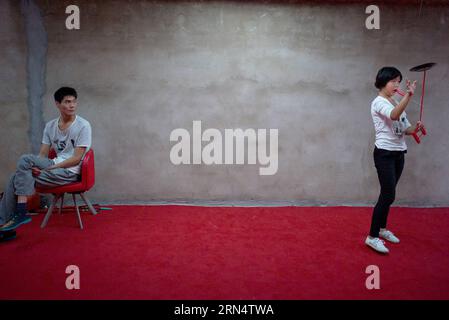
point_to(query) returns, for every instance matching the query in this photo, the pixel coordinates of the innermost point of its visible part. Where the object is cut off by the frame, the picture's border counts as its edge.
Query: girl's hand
(420, 126)
(411, 87)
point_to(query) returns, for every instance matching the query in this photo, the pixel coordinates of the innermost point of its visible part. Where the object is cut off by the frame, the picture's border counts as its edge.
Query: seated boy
(70, 136)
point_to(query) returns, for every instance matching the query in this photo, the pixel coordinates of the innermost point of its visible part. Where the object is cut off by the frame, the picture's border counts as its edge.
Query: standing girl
(391, 126)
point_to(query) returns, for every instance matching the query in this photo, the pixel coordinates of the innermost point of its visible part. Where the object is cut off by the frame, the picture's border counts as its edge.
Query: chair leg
(50, 210)
(62, 203)
(77, 212)
(87, 202)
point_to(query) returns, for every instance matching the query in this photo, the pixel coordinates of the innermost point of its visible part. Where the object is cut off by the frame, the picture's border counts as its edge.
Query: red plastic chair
(80, 187)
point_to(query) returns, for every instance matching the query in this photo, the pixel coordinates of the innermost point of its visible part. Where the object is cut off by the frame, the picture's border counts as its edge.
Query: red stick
(422, 95)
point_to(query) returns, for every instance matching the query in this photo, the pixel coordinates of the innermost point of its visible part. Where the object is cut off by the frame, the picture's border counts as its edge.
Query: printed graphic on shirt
(60, 145)
(399, 127)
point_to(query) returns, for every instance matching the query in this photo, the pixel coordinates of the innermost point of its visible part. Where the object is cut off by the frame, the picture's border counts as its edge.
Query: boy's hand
(411, 87)
(35, 171)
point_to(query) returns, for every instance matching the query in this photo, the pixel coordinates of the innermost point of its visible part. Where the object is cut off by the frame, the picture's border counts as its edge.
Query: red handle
(415, 135)
(424, 131)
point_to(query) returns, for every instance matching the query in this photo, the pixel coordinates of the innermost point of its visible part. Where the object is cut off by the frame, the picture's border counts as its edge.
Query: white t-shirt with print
(79, 134)
(390, 134)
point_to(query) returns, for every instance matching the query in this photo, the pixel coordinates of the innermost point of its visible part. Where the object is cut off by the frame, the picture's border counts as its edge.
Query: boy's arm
(72, 161)
(43, 153)
(45, 149)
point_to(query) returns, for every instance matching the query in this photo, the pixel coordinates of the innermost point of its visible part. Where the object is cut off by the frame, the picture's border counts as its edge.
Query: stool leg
(62, 203)
(77, 212)
(50, 210)
(87, 202)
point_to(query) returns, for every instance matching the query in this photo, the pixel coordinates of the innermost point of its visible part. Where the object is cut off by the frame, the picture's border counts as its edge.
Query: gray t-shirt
(79, 134)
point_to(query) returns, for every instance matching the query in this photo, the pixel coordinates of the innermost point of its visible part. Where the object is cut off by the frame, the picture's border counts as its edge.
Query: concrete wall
(13, 91)
(145, 68)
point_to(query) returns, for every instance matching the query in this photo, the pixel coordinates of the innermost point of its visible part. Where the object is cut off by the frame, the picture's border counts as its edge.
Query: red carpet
(176, 252)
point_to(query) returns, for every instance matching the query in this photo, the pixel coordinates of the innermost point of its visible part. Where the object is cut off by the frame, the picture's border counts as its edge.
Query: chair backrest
(52, 154)
(88, 170)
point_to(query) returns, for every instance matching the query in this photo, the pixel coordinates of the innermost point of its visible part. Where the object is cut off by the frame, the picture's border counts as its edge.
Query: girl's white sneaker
(388, 235)
(376, 244)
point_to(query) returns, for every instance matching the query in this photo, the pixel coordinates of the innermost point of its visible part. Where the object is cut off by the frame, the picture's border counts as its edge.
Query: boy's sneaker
(15, 222)
(388, 235)
(7, 235)
(376, 244)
